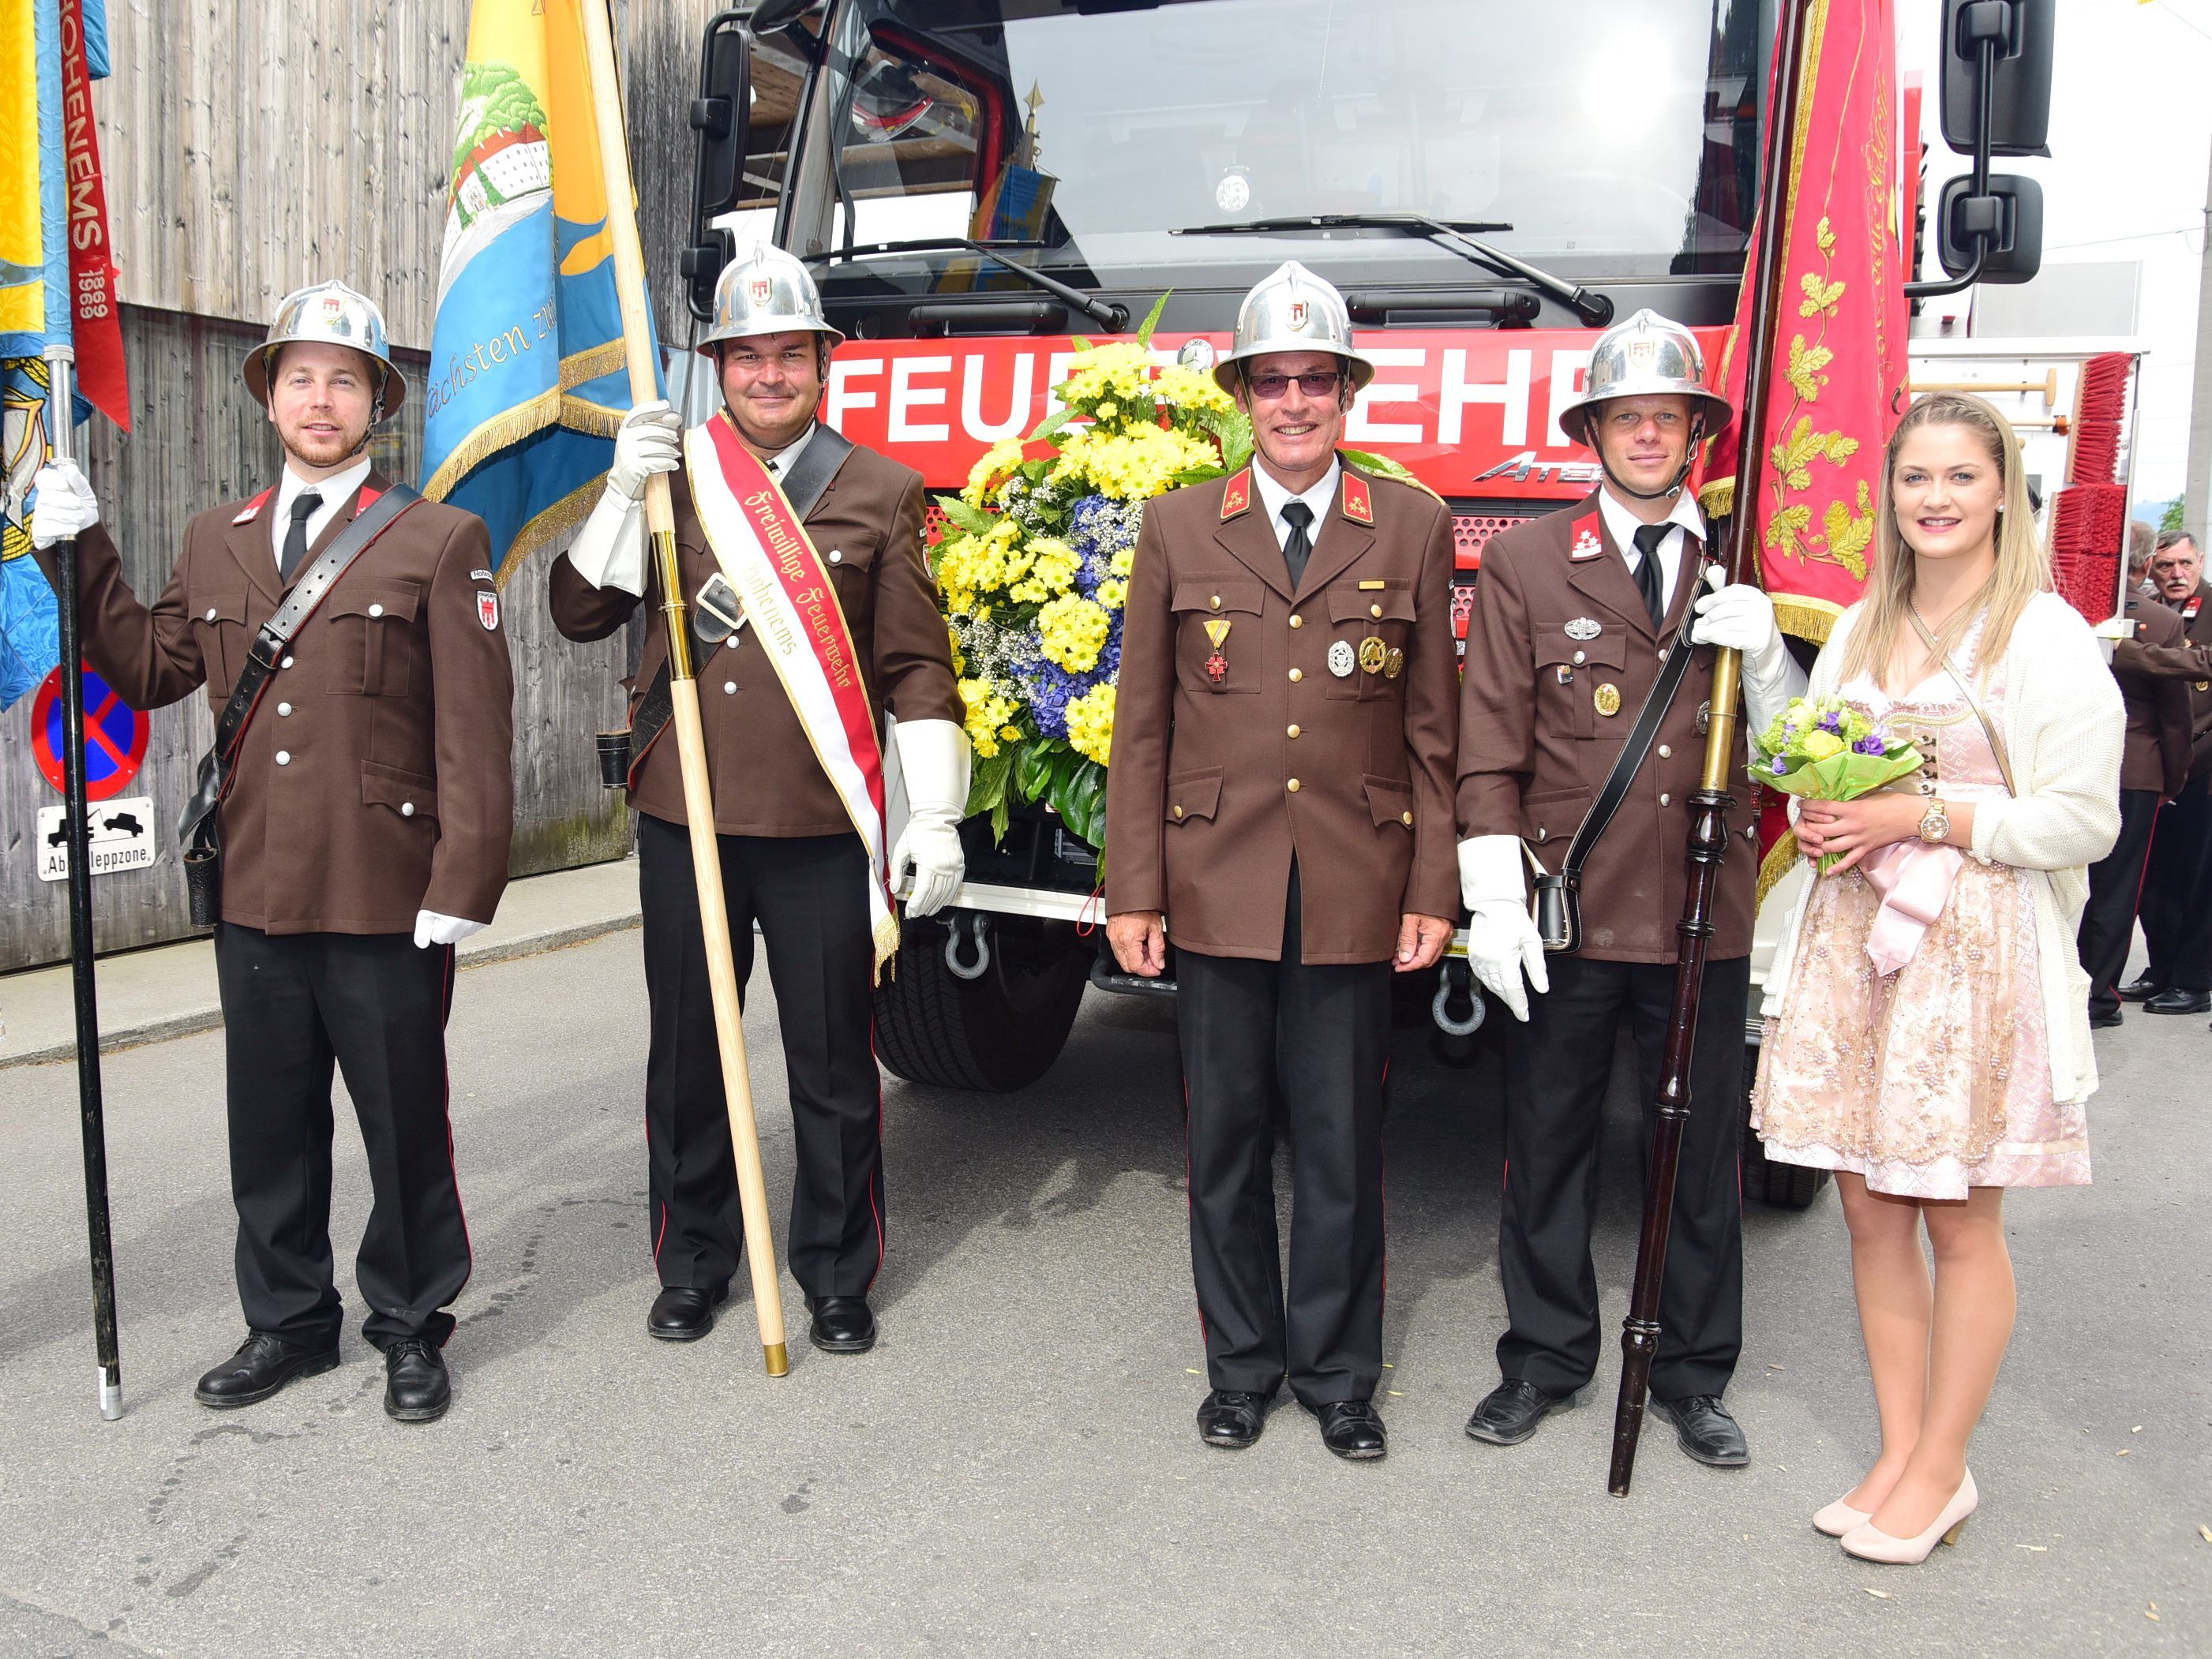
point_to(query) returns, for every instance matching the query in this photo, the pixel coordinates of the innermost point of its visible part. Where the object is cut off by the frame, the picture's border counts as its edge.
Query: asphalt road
(1014, 1468)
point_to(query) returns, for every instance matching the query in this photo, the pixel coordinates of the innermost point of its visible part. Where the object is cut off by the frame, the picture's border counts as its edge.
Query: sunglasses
(1320, 383)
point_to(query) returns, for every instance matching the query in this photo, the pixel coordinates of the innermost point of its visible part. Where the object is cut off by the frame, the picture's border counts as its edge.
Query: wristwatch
(1936, 822)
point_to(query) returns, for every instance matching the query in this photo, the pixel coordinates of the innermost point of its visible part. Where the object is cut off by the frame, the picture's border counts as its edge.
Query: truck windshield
(1616, 138)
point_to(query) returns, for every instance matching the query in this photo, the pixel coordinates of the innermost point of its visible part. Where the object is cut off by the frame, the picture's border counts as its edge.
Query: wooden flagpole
(684, 692)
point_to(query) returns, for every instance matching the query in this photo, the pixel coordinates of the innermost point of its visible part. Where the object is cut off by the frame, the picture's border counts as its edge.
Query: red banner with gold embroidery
(1840, 343)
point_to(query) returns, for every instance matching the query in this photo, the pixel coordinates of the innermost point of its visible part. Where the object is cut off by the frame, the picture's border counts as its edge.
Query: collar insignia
(1587, 544)
(252, 510)
(1237, 495)
(1358, 505)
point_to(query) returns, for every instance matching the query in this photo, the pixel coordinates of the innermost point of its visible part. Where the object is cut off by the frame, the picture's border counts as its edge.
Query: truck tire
(993, 1035)
(1782, 1186)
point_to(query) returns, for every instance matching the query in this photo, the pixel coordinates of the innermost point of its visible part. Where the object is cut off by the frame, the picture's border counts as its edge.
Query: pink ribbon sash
(1914, 880)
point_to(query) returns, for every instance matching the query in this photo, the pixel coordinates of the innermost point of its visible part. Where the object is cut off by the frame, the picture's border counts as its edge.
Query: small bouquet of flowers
(1822, 748)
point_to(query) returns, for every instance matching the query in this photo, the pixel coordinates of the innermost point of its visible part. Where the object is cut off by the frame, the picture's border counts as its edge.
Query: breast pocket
(1574, 678)
(372, 639)
(1211, 652)
(218, 629)
(1372, 628)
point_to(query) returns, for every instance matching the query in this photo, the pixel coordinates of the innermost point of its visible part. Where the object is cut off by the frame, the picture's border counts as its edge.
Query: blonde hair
(2023, 569)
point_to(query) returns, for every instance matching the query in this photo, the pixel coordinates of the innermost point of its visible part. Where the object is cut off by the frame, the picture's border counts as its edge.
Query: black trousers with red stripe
(810, 894)
(2177, 893)
(1315, 1039)
(294, 1007)
(1557, 1069)
(2108, 921)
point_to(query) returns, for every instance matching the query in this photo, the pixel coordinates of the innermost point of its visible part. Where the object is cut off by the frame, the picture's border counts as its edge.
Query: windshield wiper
(1596, 309)
(1106, 314)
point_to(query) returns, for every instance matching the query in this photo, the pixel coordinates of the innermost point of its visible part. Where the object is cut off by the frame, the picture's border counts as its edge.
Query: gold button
(1294, 731)
(1374, 610)
(1215, 601)
(1297, 621)
(1405, 817)
(1296, 674)
(1178, 811)
(1665, 753)
(1294, 786)
(1666, 801)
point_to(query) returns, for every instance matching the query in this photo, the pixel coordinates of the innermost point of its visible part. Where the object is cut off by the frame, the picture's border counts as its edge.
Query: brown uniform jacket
(867, 528)
(1534, 749)
(2189, 660)
(1216, 786)
(375, 780)
(2156, 755)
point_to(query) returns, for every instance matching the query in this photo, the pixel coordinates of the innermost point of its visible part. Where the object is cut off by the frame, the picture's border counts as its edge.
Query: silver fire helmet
(328, 314)
(766, 292)
(1646, 356)
(1290, 310)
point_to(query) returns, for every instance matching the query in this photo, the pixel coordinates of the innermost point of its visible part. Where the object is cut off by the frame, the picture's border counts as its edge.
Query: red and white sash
(764, 552)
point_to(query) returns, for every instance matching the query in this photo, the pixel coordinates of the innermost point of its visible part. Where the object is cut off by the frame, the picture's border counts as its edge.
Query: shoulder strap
(1966, 685)
(1631, 759)
(267, 650)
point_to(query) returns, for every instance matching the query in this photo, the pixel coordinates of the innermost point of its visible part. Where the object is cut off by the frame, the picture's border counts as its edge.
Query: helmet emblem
(1643, 353)
(760, 290)
(333, 310)
(1296, 314)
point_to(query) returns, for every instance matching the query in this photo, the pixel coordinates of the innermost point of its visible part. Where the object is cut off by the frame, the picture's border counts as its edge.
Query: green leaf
(1033, 770)
(1080, 797)
(1050, 424)
(1381, 465)
(972, 519)
(1153, 319)
(1001, 816)
(1078, 342)
(986, 787)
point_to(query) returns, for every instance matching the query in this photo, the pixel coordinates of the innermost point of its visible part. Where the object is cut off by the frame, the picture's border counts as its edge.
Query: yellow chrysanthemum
(1091, 723)
(1050, 570)
(1072, 631)
(989, 716)
(1113, 593)
(1000, 457)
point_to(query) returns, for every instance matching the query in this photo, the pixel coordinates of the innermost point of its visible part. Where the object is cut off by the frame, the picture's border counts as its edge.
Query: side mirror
(2020, 35)
(1996, 233)
(721, 116)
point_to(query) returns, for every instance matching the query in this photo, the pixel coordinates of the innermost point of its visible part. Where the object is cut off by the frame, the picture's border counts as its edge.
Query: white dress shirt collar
(1275, 496)
(336, 491)
(779, 463)
(1622, 525)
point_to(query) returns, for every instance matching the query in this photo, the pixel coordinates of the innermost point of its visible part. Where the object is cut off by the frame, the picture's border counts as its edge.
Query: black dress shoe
(1510, 1413)
(683, 1313)
(1350, 1429)
(416, 1387)
(2137, 989)
(2173, 1001)
(1231, 1419)
(842, 1324)
(2105, 1022)
(1704, 1430)
(262, 1365)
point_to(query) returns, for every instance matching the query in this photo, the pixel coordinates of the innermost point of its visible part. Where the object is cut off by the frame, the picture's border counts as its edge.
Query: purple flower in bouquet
(1779, 766)
(1832, 721)
(1871, 744)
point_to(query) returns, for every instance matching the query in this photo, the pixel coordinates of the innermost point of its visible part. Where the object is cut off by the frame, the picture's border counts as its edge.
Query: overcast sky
(2130, 133)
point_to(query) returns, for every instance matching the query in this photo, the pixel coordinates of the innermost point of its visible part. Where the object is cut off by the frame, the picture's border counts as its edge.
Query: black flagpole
(1639, 1332)
(61, 362)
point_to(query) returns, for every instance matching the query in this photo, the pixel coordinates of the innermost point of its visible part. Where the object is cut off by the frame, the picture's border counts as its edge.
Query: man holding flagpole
(801, 553)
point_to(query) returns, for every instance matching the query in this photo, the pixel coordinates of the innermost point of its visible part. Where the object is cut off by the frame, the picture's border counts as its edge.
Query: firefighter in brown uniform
(790, 855)
(364, 836)
(1571, 621)
(2155, 667)
(2176, 907)
(1280, 789)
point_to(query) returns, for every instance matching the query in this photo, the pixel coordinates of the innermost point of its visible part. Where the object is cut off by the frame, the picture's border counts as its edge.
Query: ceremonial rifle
(1708, 807)
(683, 694)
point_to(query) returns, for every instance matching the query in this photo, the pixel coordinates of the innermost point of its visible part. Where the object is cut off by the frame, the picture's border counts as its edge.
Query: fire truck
(979, 185)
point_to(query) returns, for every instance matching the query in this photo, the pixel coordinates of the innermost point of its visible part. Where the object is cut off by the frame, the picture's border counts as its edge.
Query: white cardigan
(2063, 726)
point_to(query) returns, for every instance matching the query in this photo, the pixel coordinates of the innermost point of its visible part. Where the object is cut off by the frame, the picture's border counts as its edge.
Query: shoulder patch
(1236, 494)
(252, 510)
(1587, 542)
(1359, 503)
(480, 576)
(487, 611)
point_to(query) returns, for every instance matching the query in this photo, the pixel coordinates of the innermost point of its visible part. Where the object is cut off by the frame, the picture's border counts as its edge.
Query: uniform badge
(2196, 603)
(1217, 666)
(487, 611)
(1606, 699)
(480, 576)
(1394, 663)
(1236, 494)
(252, 510)
(1294, 315)
(1705, 715)
(1359, 507)
(1583, 630)
(1340, 660)
(1373, 653)
(1587, 544)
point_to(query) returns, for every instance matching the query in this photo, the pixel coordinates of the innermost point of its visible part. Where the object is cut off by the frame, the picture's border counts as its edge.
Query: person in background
(1932, 1063)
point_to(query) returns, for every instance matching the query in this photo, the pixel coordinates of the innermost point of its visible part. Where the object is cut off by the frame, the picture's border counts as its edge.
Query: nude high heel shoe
(1870, 1543)
(1839, 1518)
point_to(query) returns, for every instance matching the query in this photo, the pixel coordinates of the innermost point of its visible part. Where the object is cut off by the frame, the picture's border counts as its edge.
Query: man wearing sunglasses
(797, 790)
(1279, 809)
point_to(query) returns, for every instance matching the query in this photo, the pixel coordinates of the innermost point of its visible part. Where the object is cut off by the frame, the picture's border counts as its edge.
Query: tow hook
(1454, 988)
(979, 937)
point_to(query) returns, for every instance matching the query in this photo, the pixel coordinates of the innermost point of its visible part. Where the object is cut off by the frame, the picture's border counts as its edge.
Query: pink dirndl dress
(1935, 1078)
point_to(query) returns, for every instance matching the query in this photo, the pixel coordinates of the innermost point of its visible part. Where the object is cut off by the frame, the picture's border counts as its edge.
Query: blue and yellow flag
(527, 381)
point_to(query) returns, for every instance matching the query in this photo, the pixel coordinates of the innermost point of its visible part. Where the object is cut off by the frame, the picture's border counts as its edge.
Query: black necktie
(1297, 515)
(1648, 537)
(304, 506)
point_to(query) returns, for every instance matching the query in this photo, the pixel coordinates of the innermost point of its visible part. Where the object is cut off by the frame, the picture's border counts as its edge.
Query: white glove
(934, 759)
(650, 440)
(1502, 942)
(609, 551)
(1739, 617)
(66, 505)
(433, 928)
